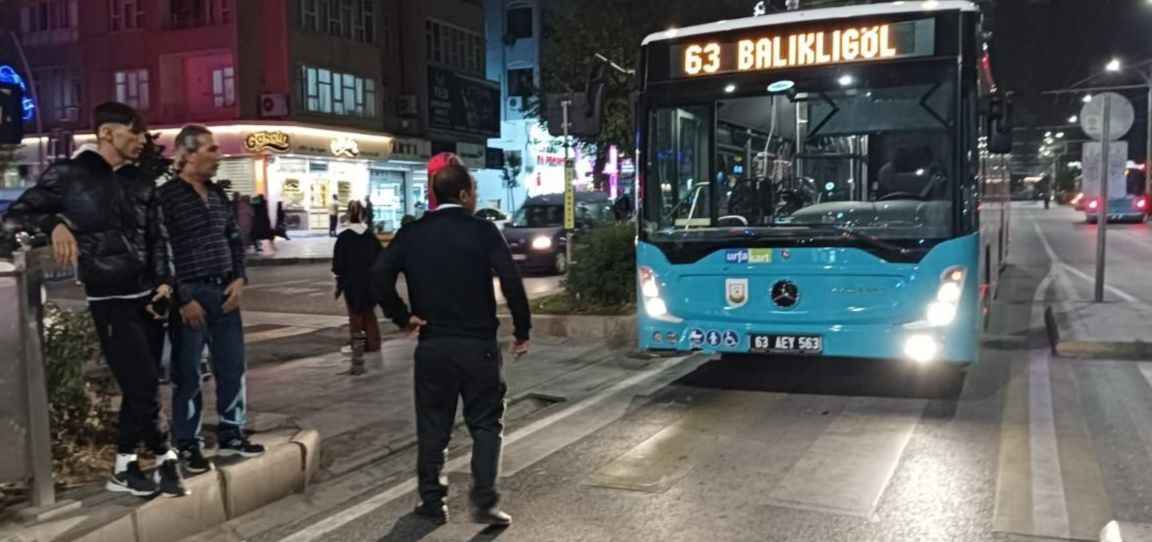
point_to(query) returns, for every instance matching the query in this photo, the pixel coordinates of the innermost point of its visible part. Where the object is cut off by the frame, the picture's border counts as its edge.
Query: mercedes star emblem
(785, 294)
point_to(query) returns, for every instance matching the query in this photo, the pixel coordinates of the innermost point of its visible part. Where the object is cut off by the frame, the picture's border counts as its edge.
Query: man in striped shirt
(208, 253)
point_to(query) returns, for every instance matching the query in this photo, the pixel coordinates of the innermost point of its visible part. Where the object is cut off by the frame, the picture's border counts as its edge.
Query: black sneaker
(192, 458)
(239, 447)
(131, 481)
(437, 513)
(168, 480)
(491, 516)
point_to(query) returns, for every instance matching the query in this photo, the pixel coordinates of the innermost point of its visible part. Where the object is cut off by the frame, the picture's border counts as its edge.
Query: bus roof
(815, 15)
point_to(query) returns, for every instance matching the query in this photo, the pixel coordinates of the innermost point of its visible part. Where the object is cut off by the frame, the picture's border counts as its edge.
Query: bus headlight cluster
(654, 305)
(921, 348)
(942, 312)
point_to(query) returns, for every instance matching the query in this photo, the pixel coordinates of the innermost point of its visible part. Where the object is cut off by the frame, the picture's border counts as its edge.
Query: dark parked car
(536, 234)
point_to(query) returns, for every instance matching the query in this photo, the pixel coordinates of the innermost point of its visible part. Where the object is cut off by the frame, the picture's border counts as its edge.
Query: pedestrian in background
(261, 224)
(333, 216)
(109, 224)
(245, 215)
(210, 277)
(369, 215)
(356, 250)
(281, 222)
(448, 259)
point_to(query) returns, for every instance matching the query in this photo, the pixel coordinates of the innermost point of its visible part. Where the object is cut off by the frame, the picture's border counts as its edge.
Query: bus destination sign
(780, 49)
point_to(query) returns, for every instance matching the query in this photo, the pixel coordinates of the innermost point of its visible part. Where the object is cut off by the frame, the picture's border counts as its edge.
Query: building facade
(310, 99)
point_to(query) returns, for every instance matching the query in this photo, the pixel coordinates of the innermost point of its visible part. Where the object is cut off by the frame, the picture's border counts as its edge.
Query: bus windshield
(813, 160)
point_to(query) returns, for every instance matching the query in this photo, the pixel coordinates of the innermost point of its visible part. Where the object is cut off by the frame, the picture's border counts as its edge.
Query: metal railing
(24, 412)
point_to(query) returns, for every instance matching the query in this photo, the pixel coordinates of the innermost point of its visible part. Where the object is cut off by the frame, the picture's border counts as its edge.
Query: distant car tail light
(1141, 203)
(1094, 204)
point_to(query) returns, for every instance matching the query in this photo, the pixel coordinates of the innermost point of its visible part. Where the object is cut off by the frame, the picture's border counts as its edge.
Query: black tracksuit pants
(448, 369)
(128, 336)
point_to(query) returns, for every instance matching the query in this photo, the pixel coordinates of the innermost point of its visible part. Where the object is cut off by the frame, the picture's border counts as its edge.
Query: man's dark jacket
(448, 259)
(115, 218)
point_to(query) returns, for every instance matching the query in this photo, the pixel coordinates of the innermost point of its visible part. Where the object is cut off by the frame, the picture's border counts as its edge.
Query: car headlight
(542, 243)
(943, 311)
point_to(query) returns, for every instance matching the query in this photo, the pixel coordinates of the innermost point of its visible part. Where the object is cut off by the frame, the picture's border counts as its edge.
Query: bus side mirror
(999, 124)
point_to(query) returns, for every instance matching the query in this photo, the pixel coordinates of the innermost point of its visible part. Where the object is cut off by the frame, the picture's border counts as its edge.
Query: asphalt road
(1023, 446)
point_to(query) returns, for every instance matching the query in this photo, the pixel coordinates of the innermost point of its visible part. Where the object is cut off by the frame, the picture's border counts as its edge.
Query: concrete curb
(618, 331)
(1134, 350)
(1117, 531)
(226, 493)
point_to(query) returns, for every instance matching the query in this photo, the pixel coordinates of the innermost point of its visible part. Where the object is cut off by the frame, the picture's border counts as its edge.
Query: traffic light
(11, 114)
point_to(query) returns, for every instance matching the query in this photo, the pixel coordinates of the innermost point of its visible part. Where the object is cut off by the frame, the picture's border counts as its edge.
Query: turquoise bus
(828, 182)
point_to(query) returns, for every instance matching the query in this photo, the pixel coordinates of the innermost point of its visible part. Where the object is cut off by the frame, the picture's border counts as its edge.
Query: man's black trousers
(128, 336)
(471, 369)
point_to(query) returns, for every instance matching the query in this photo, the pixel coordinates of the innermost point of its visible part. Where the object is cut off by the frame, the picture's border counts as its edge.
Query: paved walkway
(309, 248)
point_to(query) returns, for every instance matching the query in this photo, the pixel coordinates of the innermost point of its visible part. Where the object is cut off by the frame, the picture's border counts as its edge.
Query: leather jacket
(115, 217)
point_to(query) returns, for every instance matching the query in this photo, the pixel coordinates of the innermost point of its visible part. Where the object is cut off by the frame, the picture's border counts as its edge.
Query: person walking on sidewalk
(333, 216)
(281, 223)
(245, 216)
(369, 216)
(109, 224)
(448, 258)
(356, 250)
(210, 278)
(261, 225)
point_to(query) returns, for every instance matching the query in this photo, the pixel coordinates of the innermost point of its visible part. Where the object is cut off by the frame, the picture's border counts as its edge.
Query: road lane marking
(348, 515)
(1057, 262)
(848, 468)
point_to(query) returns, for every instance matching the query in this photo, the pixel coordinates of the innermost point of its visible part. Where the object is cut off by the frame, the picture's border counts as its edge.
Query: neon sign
(781, 49)
(8, 75)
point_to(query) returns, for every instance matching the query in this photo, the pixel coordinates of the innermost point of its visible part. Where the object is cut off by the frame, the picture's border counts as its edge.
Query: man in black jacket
(110, 224)
(448, 258)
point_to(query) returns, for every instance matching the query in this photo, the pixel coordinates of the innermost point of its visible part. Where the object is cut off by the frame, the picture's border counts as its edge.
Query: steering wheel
(902, 195)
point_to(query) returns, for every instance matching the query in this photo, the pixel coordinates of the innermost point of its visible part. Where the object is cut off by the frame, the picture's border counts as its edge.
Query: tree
(576, 30)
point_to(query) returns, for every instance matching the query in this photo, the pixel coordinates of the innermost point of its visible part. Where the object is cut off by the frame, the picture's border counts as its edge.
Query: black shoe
(438, 513)
(132, 481)
(192, 458)
(168, 480)
(491, 516)
(239, 447)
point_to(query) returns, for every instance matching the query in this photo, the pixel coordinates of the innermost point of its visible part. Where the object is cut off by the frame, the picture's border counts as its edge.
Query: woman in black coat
(261, 222)
(356, 250)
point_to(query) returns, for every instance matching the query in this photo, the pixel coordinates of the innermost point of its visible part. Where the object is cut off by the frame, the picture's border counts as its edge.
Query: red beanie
(437, 163)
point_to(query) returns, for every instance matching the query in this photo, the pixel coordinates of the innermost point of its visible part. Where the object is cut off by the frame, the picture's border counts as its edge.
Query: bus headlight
(654, 305)
(542, 243)
(921, 348)
(943, 311)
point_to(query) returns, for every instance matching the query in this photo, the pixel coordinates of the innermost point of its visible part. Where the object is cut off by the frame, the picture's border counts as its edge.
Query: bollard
(23, 386)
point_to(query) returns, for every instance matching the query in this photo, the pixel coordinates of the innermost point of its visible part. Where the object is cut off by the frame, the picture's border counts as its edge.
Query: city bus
(822, 182)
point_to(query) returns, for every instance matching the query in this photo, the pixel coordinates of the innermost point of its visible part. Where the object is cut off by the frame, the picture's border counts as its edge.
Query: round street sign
(1122, 116)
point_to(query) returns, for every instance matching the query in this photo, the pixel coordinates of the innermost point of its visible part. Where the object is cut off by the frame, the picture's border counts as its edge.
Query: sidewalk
(360, 421)
(307, 248)
(1115, 329)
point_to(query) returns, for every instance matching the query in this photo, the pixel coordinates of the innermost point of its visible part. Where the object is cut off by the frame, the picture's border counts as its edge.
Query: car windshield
(539, 216)
(872, 158)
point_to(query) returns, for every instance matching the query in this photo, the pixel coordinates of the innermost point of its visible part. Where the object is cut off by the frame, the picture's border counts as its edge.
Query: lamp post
(1144, 70)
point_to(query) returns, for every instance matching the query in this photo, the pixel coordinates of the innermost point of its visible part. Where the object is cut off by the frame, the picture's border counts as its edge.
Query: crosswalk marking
(848, 468)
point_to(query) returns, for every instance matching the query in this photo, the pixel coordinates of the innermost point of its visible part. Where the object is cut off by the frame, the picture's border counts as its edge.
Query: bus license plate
(787, 344)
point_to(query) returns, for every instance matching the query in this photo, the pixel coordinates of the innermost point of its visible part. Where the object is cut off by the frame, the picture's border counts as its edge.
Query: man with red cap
(437, 163)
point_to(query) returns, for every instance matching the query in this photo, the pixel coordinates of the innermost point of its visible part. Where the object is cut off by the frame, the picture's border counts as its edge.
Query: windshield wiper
(858, 235)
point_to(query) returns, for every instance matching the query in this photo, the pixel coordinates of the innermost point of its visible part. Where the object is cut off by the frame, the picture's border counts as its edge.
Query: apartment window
(59, 94)
(454, 47)
(132, 88)
(519, 23)
(521, 82)
(194, 13)
(126, 14)
(224, 87)
(49, 15)
(346, 19)
(327, 91)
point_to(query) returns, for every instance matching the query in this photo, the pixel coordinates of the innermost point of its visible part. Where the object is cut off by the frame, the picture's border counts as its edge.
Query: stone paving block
(122, 529)
(255, 482)
(165, 519)
(309, 441)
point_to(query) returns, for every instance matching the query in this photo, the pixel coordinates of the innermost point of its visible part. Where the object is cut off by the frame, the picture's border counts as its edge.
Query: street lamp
(1074, 119)
(1113, 65)
(1059, 135)
(1087, 98)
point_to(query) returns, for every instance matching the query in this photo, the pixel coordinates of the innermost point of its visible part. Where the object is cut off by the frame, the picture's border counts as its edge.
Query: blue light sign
(8, 75)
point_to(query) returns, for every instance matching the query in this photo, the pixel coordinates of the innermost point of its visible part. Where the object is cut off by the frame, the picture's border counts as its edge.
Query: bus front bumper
(912, 342)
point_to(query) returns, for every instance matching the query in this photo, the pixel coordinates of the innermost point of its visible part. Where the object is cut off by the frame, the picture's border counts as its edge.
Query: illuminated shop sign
(267, 140)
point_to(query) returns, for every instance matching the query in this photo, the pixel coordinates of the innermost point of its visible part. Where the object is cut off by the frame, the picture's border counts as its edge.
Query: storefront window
(387, 190)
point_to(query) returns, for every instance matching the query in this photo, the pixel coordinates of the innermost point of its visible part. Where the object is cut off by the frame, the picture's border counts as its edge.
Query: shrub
(605, 270)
